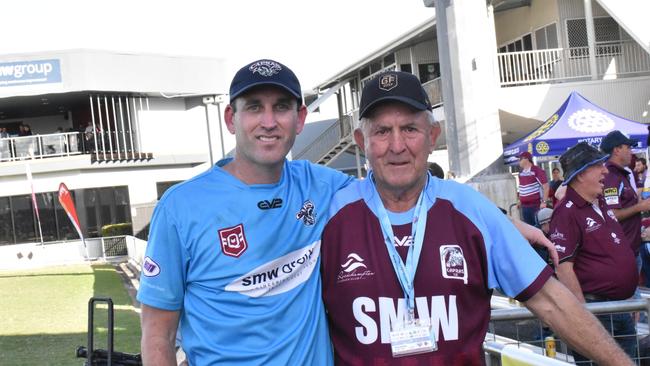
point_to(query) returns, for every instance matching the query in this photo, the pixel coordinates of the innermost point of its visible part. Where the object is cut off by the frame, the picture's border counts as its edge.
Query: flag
(65, 198)
(28, 170)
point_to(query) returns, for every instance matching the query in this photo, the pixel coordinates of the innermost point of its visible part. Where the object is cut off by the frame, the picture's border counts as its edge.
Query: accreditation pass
(412, 339)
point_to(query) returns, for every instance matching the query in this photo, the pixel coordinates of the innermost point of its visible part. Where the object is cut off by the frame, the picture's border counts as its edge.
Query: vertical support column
(116, 129)
(101, 126)
(109, 137)
(467, 52)
(92, 115)
(591, 39)
(128, 116)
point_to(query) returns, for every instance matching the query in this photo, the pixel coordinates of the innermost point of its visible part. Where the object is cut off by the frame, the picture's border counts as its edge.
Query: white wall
(123, 72)
(514, 23)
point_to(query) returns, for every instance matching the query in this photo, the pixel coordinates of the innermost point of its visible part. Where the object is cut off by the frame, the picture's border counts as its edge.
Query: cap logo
(265, 68)
(387, 82)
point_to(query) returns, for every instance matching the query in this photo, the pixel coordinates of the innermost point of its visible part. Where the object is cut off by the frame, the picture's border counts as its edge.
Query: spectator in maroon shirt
(619, 194)
(533, 188)
(596, 261)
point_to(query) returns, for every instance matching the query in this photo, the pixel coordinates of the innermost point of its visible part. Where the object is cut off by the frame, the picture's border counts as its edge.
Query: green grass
(44, 314)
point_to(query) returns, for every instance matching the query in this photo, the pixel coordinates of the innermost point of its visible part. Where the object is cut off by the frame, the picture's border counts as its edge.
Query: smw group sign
(30, 72)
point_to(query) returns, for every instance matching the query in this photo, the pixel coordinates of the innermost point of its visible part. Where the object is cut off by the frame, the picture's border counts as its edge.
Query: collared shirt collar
(572, 195)
(619, 168)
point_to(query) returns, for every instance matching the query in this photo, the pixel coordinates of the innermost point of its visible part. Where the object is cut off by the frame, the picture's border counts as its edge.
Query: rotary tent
(576, 121)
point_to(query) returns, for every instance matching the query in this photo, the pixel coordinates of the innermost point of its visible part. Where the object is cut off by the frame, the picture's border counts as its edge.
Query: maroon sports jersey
(619, 193)
(452, 283)
(602, 258)
(530, 186)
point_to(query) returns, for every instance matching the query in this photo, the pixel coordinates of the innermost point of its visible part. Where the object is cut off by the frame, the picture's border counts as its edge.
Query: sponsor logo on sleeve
(233, 241)
(307, 214)
(353, 269)
(452, 262)
(150, 268)
(611, 196)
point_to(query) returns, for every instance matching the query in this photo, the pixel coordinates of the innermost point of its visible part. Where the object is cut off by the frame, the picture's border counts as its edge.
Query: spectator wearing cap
(620, 195)
(596, 260)
(544, 219)
(219, 242)
(533, 188)
(381, 227)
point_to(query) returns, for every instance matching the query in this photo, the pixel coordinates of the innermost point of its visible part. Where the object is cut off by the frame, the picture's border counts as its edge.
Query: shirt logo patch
(569, 204)
(267, 205)
(353, 269)
(405, 241)
(388, 82)
(557, 235)
(307, 214)
(617, 240)
(560, 249)
(610, 213)
(280, 274)
(233, 241)
(611, 196)
(265, 68)
(150, 268)
(592, 225)
(452, 263)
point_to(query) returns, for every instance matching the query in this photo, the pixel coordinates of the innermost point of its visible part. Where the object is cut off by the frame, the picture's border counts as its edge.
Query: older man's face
(397, 141)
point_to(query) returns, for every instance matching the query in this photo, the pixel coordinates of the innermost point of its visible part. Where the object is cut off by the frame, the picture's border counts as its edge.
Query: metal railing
(528, 330)
(328, 139)
(390, 67)
(434, 91)
(40, 146)
(551, 65)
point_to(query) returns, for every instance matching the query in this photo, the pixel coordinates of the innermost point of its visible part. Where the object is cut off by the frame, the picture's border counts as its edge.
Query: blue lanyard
(405, 271)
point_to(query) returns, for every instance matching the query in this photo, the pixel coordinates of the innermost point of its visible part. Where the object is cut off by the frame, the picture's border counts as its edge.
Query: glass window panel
(122, 205)
(6, 226)
(90, 203)
(46, 213)
(527, 42)
(107, 206)
(24, 219)
(551, 36)
(540, 39)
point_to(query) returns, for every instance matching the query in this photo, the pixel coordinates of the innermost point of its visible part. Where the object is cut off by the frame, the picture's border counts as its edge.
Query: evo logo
(267, 205)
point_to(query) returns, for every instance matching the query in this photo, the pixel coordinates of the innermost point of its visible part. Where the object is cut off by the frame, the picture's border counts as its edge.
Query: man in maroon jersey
(596, 260)
(381, 304)
(619, 194)
(533, 188)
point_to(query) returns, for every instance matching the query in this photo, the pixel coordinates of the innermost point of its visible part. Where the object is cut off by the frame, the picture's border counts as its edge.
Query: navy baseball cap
(614, 139)
(265, 72)
(394, 86)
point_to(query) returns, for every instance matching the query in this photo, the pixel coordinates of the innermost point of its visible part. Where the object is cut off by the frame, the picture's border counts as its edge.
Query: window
(428, 71)
(546, 37)
(162, 187)
(389, 59)
(6, 223)
(607, 32)
(24, 222)
(405, 68)
(524, 43)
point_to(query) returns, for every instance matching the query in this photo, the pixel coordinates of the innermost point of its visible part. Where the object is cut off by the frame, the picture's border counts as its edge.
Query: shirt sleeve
(564, 234)
(541, 175)
(612, 191)
(163, 269)
(513, 266)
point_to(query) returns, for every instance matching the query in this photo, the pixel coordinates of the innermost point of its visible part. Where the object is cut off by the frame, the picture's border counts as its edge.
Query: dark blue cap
(265, 72)
(394, 86)
(614, 139)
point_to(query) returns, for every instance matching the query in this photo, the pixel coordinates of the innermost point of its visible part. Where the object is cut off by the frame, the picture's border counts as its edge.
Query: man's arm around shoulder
(158, 336)
(555, 305)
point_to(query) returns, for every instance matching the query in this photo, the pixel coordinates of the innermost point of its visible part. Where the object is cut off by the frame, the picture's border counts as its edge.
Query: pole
(207, 123)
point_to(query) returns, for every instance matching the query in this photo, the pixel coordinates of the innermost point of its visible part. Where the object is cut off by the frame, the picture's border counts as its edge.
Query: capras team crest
(233, 241)
(307, 214)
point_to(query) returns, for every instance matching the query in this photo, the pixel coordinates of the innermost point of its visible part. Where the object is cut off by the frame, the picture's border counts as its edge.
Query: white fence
(40, 146)
(557, 64)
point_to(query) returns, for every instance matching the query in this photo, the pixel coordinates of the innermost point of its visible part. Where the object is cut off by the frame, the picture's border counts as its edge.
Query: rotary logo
(590, 121)
(542, 147)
